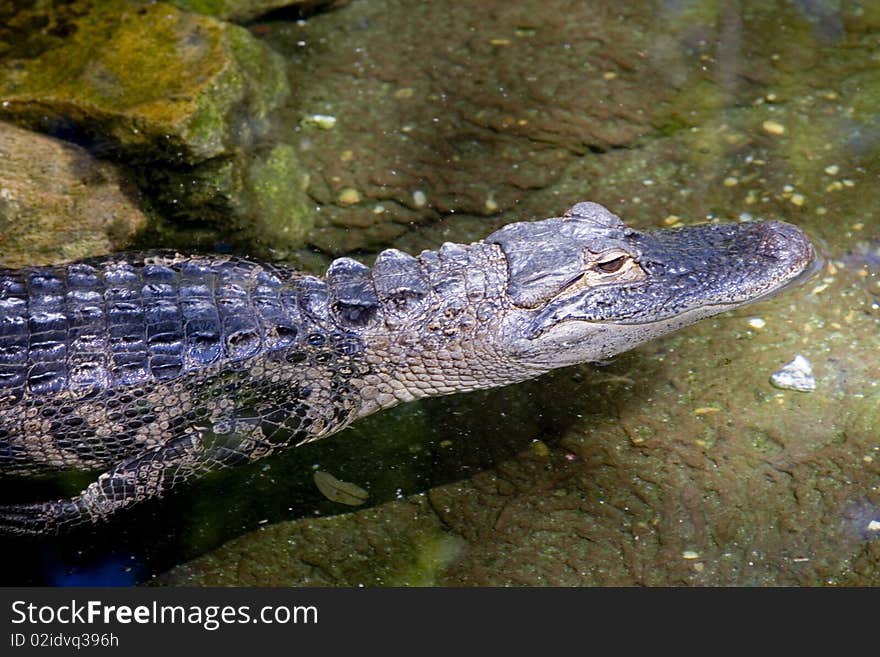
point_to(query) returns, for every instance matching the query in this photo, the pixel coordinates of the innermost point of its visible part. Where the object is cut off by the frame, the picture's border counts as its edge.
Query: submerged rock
(261, 194)
(59, 203)
(399, 544)
(245, 10)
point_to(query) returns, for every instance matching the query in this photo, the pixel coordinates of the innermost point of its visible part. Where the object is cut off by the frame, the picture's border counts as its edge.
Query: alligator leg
(137, 479)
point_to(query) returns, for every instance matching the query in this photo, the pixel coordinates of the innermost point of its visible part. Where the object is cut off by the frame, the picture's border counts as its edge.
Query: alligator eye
(611, 266)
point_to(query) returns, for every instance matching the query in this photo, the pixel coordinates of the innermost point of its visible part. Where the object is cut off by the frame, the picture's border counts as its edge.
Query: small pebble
(874, 526)
(690, 554)
(773, 127)
(832, 170)
(323, 121)
(797, 199)
(796, 375)
(757, 323)
(419, 198)
(539, 448)
(349, 196)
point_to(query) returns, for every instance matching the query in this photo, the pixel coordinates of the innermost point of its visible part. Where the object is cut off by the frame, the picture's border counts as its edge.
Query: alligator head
(586, 287)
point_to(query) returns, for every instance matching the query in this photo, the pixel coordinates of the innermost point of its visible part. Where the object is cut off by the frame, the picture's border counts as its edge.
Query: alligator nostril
(781, 241)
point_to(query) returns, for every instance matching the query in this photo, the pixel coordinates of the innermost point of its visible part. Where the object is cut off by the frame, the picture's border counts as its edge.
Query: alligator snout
(785, 242)
(790, 251)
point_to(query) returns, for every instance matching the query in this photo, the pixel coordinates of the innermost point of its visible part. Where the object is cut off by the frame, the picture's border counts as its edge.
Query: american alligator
(158, 368)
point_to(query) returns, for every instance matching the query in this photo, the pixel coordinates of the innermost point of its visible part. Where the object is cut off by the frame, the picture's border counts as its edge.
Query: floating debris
(796, 375)
(336, 490)
(323, 121)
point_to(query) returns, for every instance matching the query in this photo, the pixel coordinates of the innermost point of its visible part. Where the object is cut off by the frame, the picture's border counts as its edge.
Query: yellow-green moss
(277, 187)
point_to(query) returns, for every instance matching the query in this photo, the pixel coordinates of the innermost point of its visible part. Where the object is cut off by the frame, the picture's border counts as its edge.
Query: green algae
(277, 184)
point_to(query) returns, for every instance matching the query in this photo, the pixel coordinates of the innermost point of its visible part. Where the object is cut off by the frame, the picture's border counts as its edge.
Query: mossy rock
(152, 82)
(180, 98)
(257, 196)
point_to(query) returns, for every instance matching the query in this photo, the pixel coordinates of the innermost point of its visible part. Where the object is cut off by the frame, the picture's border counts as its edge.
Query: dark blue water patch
(110, 571)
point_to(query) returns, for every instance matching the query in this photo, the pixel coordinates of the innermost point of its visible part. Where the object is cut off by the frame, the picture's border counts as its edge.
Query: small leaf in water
(343, 492)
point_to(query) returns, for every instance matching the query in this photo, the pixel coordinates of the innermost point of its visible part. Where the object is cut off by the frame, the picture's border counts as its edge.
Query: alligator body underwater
(158, 368)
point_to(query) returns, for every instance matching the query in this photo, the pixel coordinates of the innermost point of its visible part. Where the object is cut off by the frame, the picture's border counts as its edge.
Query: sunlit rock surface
(59, 203)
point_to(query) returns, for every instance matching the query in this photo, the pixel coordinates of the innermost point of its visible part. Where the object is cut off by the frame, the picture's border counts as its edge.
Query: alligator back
(102, 359)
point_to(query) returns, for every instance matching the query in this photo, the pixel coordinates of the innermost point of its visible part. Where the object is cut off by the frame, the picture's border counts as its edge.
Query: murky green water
(414, 123)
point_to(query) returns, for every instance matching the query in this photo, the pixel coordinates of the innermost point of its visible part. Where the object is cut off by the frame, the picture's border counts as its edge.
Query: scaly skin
(159, 368)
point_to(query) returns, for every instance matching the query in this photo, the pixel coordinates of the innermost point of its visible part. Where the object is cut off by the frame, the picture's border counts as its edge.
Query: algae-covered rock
(262, 193)
(182, 99)
(245, 10)
(58, 203)
(152, 82)
(276, 185)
